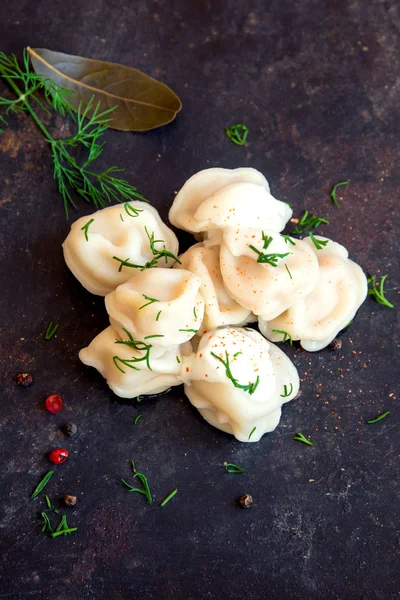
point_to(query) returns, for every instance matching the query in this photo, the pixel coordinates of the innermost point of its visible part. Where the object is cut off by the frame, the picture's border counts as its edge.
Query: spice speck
(24, 379)
(246, 501)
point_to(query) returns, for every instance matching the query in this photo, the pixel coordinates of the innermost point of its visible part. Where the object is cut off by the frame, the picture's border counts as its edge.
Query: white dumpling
(217, 198)
(133, 377)
(220, 308)
(116, 232)
(316, 319)
(244, 396)
(162, 306)
(262, 288)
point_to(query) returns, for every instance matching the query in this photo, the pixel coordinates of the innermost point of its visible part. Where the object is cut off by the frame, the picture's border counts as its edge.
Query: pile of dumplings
(182, 318)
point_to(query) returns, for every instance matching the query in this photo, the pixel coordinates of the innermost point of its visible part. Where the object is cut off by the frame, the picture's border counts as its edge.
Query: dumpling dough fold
(316, 319)
(243, 396)
(116, 231)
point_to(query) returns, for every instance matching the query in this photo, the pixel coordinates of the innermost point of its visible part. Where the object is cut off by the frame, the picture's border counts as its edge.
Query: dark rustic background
(318, 85)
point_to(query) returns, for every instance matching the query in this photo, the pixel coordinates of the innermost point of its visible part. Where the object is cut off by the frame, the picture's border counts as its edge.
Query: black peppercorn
(70, 500)
(246, 501)
(70, 429)
(336, 344)
(24, 379)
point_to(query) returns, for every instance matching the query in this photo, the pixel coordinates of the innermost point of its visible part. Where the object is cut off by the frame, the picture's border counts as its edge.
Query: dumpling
(219, 308)
(264, 273)
(109, 247)
(316, 319)
(216, 198)
(238, 382)
(162, 306)
(132, 372)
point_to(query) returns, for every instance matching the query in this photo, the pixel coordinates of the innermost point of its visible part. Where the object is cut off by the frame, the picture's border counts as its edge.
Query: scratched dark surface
(318, 85)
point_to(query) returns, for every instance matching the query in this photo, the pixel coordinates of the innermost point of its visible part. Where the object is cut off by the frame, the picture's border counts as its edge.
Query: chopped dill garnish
(299, 437)
(270, 259)
(288, 240)
(319, 244)
(85, 228)
(131, 211)
(190, 330)
(46, 523)
(42, 484)
(286, 392)
(157, 255)
(289, 273)
(237, 134)
(308, 222)
(51, 330)
(150, 301)
(145, 491)
(156, 335)
(379, 417)
(378, 294)
(168, 498)
(286, 335)
(137, 419)
(194, 312)
(333, 192)
(250, 388)
(178, 360)
(231, 468)
(121, 217)
(251, 432)
(158, 315)
(137, 345)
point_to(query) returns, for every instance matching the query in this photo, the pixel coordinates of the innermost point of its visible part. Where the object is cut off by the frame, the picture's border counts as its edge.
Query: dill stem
(34, 116)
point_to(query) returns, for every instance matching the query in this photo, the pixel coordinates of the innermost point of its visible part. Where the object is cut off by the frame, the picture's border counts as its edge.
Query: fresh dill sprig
(91, 123)
(62, 528)
(333, 192)
(51, 330)
(378, 294)
(131, 211)
(286, 391)
(168, 498)
(46, 523)
(299, 437)
(137, 419)
(157, 255)
(250, 388)
(270, 259)
(42, 484)
(145, 491)
(267, 239)
(319, 244)
(251, 432)
(379, 417)
(308, 222)
(231, 468)
(237, 134)
(85, 228)
(286, 335)
(288, 240)
(141, 347)
(150, 301)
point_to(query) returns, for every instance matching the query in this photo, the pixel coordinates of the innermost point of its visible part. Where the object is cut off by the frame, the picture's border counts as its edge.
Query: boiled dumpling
(238, 382)
(162, 306)
(100, 248)
(219, 308)
(266, 288)
(216, 198)
(132, 372)
(316, 319)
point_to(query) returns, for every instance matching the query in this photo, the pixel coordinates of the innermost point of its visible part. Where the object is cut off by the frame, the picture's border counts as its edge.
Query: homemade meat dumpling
(216, 198)
(238, 382)
(162, 306)
(316, 319)
(109, 247)
(133, 370)
(219, 307)
(264, 273)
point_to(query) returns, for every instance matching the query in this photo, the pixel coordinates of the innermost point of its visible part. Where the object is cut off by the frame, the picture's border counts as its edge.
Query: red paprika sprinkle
(54, 403)
(58, 455)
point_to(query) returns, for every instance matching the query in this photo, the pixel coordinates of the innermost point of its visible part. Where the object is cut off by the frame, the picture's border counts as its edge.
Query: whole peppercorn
(246, 501)
(58, 455)
(54, 403)
(70, 429)
(70, 500)
(24, 379)
(336, 344)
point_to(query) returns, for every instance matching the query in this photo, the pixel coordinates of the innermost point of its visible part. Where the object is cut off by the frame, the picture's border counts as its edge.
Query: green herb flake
(318, 243)
(189, 330)
(150, 301)
(250, 388)
(231, 468)
(237, 134)
(131, 211)
(85, 228)
(46, 523)
(42, 484)
(378, 294)
(158, 315)
(286, 335)
(168, 498)
(379, 417)
(308, 222)
(299, 437)
(289, 273)
(178, 360)
(137, 419)
(287, 391)
(51, 330)
(251, 432)
(333, 192)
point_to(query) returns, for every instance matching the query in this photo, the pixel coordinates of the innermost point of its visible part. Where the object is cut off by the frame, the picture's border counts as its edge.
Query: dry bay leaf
(142, 102)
